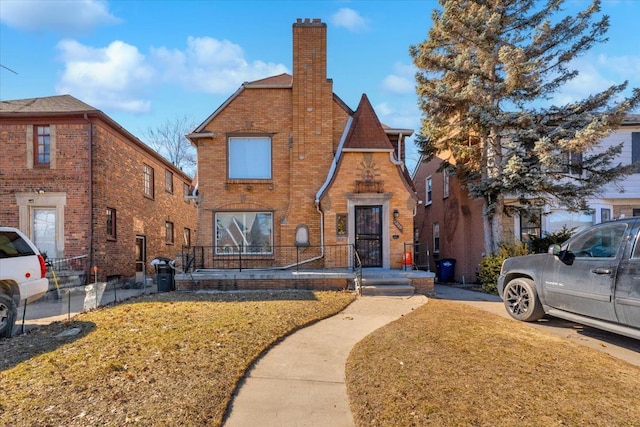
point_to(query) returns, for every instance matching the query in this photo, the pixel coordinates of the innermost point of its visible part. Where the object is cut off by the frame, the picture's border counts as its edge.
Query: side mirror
(554, 249)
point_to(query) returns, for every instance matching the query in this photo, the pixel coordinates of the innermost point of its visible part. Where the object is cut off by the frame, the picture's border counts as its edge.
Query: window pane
(246, 232)
(249, 158)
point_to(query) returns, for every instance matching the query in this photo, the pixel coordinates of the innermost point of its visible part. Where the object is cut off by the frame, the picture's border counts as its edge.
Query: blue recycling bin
(445, 268)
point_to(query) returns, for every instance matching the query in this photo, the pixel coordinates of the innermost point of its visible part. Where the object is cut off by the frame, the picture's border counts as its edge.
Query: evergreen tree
(486, 71)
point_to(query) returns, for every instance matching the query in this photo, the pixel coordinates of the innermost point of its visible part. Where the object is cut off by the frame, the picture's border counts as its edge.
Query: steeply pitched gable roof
(366, 131)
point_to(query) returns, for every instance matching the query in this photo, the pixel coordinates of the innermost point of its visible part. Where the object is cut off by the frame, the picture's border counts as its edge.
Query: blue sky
(147, 62)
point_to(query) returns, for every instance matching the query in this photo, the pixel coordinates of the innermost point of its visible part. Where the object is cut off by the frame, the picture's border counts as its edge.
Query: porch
(336, 267)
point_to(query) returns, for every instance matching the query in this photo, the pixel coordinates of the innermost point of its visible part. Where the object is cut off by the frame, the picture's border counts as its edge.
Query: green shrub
(490, 265)
(540, 245)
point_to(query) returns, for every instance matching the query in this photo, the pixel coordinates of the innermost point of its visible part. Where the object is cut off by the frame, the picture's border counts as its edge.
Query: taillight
(43, 267)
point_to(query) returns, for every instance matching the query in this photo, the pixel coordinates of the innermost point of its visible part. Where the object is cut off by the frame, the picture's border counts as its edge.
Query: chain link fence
(63, 303)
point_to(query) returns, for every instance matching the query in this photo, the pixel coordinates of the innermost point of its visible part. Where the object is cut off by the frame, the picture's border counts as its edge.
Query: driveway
(618, 346)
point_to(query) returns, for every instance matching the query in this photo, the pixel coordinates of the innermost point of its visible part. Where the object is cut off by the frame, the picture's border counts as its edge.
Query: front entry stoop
(389, 286)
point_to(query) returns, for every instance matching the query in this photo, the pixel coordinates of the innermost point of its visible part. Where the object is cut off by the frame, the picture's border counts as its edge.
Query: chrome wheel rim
(518, 299)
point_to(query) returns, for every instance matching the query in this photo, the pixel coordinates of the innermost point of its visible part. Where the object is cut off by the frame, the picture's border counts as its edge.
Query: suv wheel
(8, 312)
(521, 300)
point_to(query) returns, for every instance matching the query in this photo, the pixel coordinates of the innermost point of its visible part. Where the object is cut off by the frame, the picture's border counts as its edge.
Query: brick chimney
(312, 92)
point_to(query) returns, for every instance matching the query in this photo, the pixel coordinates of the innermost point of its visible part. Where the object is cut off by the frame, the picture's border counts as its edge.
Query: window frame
(445, 183)
(168, 181)
(428, 188)
(169, 233)
(46, 144)
(239, 235)
(436, 238)
(148, 179)
(186, 237)
(236, 175)
(635, 150)
(112, 223)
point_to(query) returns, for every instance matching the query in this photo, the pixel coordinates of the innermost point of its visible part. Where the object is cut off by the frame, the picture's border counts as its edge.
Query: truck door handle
(601, 270)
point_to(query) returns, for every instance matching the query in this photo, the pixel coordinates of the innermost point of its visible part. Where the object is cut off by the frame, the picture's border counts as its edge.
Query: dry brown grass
(162, 360)
(448, 364)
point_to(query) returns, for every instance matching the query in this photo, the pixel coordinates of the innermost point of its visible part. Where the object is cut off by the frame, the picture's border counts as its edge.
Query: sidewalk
(301, 381)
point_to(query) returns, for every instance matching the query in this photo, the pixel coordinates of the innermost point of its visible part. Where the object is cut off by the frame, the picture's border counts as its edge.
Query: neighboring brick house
(78, 184)
(450, 222)
(285, 160)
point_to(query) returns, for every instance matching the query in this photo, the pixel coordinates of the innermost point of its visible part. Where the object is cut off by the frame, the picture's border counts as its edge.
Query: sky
(145, 63)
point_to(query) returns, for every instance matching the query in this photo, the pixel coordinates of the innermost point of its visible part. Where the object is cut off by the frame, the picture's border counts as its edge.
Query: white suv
(22, 276)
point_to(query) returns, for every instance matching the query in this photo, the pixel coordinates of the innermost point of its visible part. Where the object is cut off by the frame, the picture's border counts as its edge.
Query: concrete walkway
(301, 381)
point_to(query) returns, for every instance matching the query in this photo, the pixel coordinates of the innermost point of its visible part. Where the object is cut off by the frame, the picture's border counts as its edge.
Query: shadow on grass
(40, 340)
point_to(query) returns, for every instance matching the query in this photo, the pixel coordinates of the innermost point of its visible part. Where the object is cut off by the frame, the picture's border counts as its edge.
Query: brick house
(285, 162)
(79, 185)
(450, 222)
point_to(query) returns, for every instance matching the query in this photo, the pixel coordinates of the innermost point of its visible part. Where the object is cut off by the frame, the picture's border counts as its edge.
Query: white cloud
(350, 19)
(119, 77)
(597, 74)
(402, 81)
(63, 16)
(210, 65)
(114, 77)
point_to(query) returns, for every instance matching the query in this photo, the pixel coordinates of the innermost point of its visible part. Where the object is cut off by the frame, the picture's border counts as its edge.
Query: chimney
(312, 92)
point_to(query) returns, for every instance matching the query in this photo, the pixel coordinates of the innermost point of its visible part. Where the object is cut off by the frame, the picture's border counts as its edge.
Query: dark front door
(369, 235)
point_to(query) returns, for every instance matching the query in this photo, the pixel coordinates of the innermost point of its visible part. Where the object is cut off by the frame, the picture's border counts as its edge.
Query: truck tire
(8, 314)
(521, 300)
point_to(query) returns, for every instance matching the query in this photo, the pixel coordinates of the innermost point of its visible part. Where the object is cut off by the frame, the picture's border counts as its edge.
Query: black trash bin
(445, 269)
(164, 274)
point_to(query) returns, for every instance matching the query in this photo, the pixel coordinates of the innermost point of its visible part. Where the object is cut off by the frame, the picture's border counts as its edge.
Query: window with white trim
(249, 157)
(429, 190)
(244, 232)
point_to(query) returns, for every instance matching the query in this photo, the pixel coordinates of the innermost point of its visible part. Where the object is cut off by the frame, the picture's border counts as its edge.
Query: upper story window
(42, 145)
(635, 150)
(168, 181)
(147, 172)
(186, 237)
(429, 191)
(572, 163)
(445, 181)
(249, 157)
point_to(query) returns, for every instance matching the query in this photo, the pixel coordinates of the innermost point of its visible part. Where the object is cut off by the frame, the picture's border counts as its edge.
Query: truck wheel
(8, 314)
(521, 300)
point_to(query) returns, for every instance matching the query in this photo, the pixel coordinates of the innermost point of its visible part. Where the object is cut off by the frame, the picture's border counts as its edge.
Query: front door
(44, 231)
(141, 258)
(368, 233)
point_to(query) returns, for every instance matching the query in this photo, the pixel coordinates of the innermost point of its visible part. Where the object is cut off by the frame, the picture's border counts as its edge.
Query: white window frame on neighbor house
(249, 157)
(238, 232)
(428, 185)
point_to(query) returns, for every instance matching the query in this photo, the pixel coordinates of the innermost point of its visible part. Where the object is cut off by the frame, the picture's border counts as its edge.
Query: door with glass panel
(368, 235)
(44, 231)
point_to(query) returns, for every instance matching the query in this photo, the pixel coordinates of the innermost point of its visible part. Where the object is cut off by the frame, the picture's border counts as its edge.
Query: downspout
(90, 191)
(397, 161)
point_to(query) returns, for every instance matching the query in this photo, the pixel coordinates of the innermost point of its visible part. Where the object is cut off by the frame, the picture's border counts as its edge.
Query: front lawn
(161, 360)
(449, 364)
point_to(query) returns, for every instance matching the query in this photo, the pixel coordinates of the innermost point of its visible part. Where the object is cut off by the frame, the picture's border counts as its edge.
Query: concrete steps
(387, 286)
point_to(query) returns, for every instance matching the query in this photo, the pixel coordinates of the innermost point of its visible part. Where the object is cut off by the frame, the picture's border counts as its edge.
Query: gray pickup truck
(22, 276)
(593, 279)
